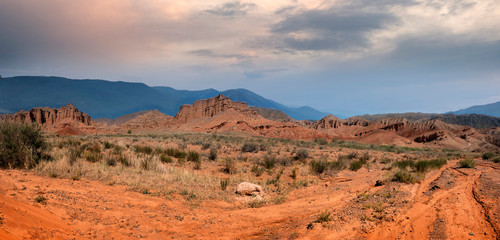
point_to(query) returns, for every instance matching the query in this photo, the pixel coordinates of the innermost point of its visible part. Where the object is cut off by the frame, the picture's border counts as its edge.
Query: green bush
(319, 166)
(269, 161)
(193, 156)
(302, 154)
(21, 145)
(356, 165)
(467, 163)
(404, 164)
(176, 153)
(425, 165)
(249, 147)
(404, 177)
(488, 155)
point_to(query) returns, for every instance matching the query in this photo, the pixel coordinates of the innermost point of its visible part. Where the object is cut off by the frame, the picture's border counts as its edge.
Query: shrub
(425, 165)
(223, 184)
(165, 158)
(249, 147)
(284, 161)
(294, 173)
(404, 164)
(176, 153)
(193, 156)
(205, 146)
(212, 155)
(129, 131)
(110, 161)
(404, 177)
(144, 149)
(40, 199)
(467, 163)
(21, 145)
(488, 155)
(107, 145)
(352, 155)
(496, 160)
(197, 164)
(356, 165)
(229, 166)
(302, 154)
(269, 161)
(123, 160)
(323, 217)
(93, 156)
(363, 159)
(319, 166)
(145, 163)
(257, 170)
(337, 165)
(73, 154)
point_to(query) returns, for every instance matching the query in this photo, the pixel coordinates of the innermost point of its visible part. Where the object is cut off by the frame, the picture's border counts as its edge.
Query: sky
(343, 57)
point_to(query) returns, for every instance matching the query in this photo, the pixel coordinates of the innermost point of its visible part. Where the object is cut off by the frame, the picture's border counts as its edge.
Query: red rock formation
(49, 116)
(54, 119)
(211, 107)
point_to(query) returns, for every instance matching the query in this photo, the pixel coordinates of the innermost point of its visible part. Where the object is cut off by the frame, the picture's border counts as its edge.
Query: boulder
(249, 189)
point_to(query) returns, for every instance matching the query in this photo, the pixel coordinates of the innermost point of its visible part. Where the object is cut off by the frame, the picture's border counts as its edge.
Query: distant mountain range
(492, 109)
(106, 99)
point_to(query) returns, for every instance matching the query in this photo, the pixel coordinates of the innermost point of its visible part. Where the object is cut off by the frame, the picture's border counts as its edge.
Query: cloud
(234, 8)
(210, 53)
(262, 72)
(336, 28)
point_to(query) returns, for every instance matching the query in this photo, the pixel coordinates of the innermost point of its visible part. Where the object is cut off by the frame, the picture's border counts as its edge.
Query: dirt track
(450, 204)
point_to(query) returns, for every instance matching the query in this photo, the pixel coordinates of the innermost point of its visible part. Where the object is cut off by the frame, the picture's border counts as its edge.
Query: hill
(492, 109)
(477, 121)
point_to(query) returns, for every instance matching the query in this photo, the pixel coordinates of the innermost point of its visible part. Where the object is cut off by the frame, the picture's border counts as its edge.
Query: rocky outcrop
(67, 120)
(207, 108)
(46, 116)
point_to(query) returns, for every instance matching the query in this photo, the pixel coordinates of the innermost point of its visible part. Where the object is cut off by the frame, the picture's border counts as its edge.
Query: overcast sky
(344, 57)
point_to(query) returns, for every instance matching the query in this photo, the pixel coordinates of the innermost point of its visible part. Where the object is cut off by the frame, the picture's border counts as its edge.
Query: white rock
(246, 188)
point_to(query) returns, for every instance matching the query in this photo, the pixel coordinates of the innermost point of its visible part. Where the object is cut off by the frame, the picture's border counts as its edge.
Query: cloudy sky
(344, 57)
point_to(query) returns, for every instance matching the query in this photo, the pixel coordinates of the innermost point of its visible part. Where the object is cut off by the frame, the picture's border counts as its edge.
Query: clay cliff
(221, 114)
(211, 107)
(67, 120)
(401, 131)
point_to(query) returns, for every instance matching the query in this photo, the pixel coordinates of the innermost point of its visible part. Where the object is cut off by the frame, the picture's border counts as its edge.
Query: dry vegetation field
(182, 186)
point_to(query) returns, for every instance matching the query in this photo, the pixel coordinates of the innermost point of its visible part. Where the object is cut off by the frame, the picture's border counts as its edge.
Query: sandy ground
(452, 203)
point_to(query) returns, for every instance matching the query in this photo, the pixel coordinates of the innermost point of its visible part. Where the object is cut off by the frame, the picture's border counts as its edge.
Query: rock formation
(67, 120)
(211, 107)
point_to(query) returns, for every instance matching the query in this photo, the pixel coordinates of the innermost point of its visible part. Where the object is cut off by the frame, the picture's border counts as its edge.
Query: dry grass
(170, 164)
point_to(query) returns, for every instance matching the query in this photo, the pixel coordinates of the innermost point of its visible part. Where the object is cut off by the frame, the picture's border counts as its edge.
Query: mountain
(492, 109)
(106, 99)
(244, 95)
(98, 98)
